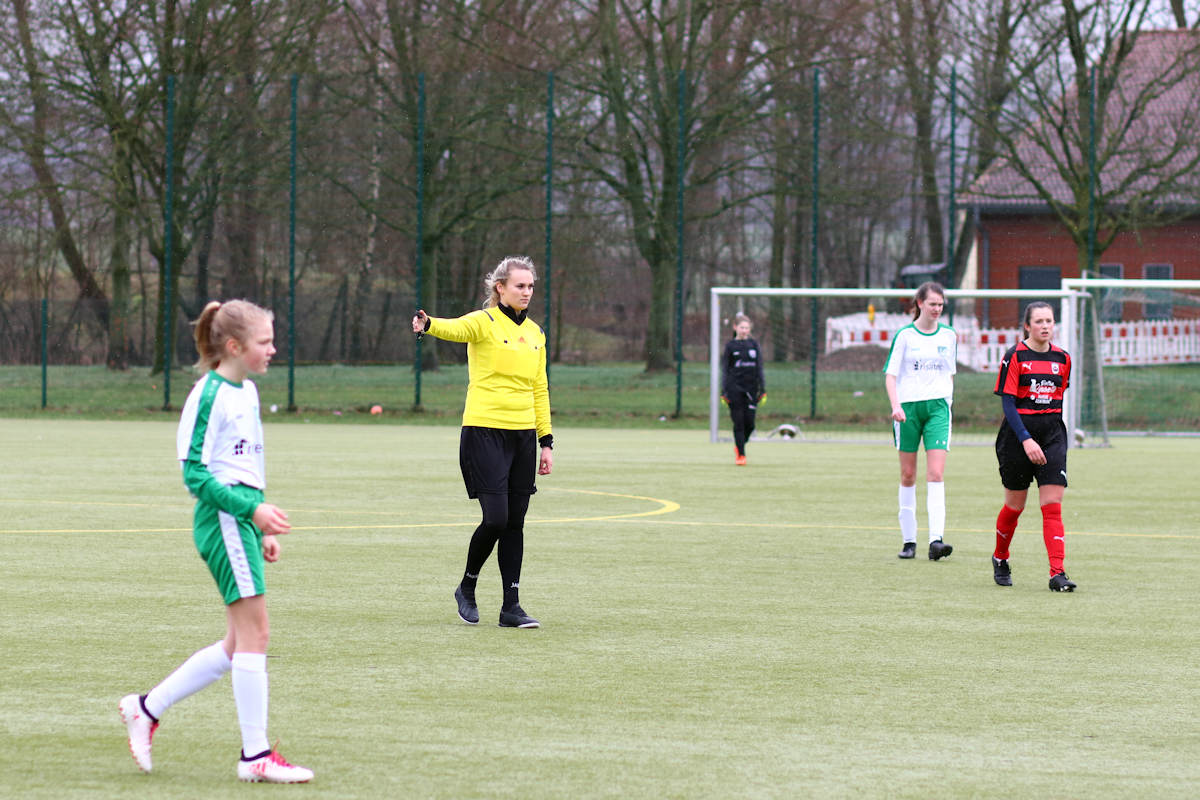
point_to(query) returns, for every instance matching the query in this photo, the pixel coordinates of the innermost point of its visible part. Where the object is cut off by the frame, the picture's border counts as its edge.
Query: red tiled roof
(1162, 73)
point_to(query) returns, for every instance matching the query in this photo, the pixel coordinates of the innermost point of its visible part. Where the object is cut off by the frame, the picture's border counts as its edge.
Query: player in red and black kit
(1032, 442)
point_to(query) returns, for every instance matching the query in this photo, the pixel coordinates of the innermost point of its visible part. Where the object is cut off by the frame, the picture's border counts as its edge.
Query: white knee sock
(936, 506)
(908, 513)
(202, 668)
(250, 694)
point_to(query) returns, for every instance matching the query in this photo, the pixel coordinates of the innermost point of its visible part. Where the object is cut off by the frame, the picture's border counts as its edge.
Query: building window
(1040, 278)
(1158, 302)
(1111, 308)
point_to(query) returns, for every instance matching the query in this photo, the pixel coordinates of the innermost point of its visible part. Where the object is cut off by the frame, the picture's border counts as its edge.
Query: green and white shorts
(231, 547)
(928, 419)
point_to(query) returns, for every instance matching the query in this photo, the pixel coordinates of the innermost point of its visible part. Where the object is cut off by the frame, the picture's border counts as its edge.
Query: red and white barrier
(1138, 343)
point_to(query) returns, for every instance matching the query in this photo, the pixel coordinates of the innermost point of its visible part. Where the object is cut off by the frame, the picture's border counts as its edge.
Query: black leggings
(743, 423)
(503, 522)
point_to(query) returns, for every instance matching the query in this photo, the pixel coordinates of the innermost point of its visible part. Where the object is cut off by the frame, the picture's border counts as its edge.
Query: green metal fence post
(292, 250)
(1091, 222)
(549, 208)
(816, 213)
(168, 244)
(953, 212)
(681, 161)
(45, 347)
(420, 227)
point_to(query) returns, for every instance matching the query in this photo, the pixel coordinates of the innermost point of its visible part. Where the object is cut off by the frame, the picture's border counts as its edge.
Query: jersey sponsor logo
(242, 447)
(1042, 391)
(928, 365)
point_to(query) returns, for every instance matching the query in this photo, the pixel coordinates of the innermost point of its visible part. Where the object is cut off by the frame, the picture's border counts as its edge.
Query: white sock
(250, 695)
(202, 668)
(936, 506)
(908, 513)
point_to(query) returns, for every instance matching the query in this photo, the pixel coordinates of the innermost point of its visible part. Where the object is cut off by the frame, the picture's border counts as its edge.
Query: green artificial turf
(708, 630)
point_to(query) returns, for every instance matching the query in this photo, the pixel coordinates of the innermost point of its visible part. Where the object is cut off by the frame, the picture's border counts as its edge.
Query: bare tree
(633, 145)
(1146, 93)
(1180, 15)
(36, 141)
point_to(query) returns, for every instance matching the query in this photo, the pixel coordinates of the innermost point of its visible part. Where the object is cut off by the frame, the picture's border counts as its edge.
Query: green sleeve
(204, 486)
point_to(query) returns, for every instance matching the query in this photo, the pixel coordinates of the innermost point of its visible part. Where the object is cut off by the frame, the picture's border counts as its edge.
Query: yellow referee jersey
(506, 365)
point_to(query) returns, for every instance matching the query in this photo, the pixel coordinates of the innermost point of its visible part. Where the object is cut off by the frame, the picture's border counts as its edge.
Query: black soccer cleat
(1061, 583)
(1000, 571)
(515, 617)
(939, 550)
(468, 612)
(908, 551)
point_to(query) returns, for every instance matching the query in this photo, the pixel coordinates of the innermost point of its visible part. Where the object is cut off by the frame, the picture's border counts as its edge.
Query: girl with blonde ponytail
(220, 447)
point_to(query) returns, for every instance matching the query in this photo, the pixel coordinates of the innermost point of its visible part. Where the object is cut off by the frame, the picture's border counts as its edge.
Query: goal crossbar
(1070, 292)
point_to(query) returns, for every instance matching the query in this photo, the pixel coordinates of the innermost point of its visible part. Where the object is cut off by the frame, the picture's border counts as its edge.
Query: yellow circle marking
(664, 507)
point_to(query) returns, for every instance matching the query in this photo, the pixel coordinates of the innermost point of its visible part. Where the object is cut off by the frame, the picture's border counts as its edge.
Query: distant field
(709, 631)
(619, 394)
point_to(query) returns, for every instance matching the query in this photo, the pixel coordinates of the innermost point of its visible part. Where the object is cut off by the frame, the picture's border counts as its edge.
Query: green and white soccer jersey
(220, 447)
(221, 429)
(923, 365)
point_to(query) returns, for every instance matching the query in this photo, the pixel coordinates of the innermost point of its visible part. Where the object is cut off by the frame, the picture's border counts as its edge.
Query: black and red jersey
(1035, 380)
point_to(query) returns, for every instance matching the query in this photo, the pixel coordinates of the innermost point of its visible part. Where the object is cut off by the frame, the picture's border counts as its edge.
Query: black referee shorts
(1016, 470)
(498, 461)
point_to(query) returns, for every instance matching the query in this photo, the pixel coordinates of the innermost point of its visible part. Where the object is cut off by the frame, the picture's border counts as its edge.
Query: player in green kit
(919, 377)
(220, 447)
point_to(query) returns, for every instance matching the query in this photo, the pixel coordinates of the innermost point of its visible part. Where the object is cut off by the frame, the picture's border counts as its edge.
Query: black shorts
(498, 461)
(1016, 470)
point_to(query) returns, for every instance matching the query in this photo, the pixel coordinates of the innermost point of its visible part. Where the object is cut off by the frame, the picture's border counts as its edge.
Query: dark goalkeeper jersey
(1035, 380)
(742, 369)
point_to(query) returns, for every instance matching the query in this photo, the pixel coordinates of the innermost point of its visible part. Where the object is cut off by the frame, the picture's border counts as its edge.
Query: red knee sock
(1006, 524)
(1053, 533)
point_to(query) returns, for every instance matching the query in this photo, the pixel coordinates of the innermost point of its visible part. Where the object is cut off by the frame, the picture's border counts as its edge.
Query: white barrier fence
(1141, 342)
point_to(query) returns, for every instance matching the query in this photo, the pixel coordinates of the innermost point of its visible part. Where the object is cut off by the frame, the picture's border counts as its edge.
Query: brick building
(1019, 243)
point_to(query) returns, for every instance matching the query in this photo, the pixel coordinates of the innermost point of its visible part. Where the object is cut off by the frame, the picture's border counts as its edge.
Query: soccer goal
(1139, 357)
(825, 349)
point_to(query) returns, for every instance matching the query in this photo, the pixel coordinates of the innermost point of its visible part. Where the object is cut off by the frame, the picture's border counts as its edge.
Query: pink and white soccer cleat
(272, 768)
(141, 728)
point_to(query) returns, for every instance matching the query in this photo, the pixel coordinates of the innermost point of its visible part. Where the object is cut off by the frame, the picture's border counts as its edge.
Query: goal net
(1139, 357)
(824, 352)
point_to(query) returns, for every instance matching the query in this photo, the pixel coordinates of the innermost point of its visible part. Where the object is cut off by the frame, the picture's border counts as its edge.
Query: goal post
(1139, 351)
(1067, 335)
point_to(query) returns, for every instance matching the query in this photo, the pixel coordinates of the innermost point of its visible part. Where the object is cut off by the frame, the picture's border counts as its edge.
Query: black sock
(510, 555)
(468, 584)
(482, 543)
